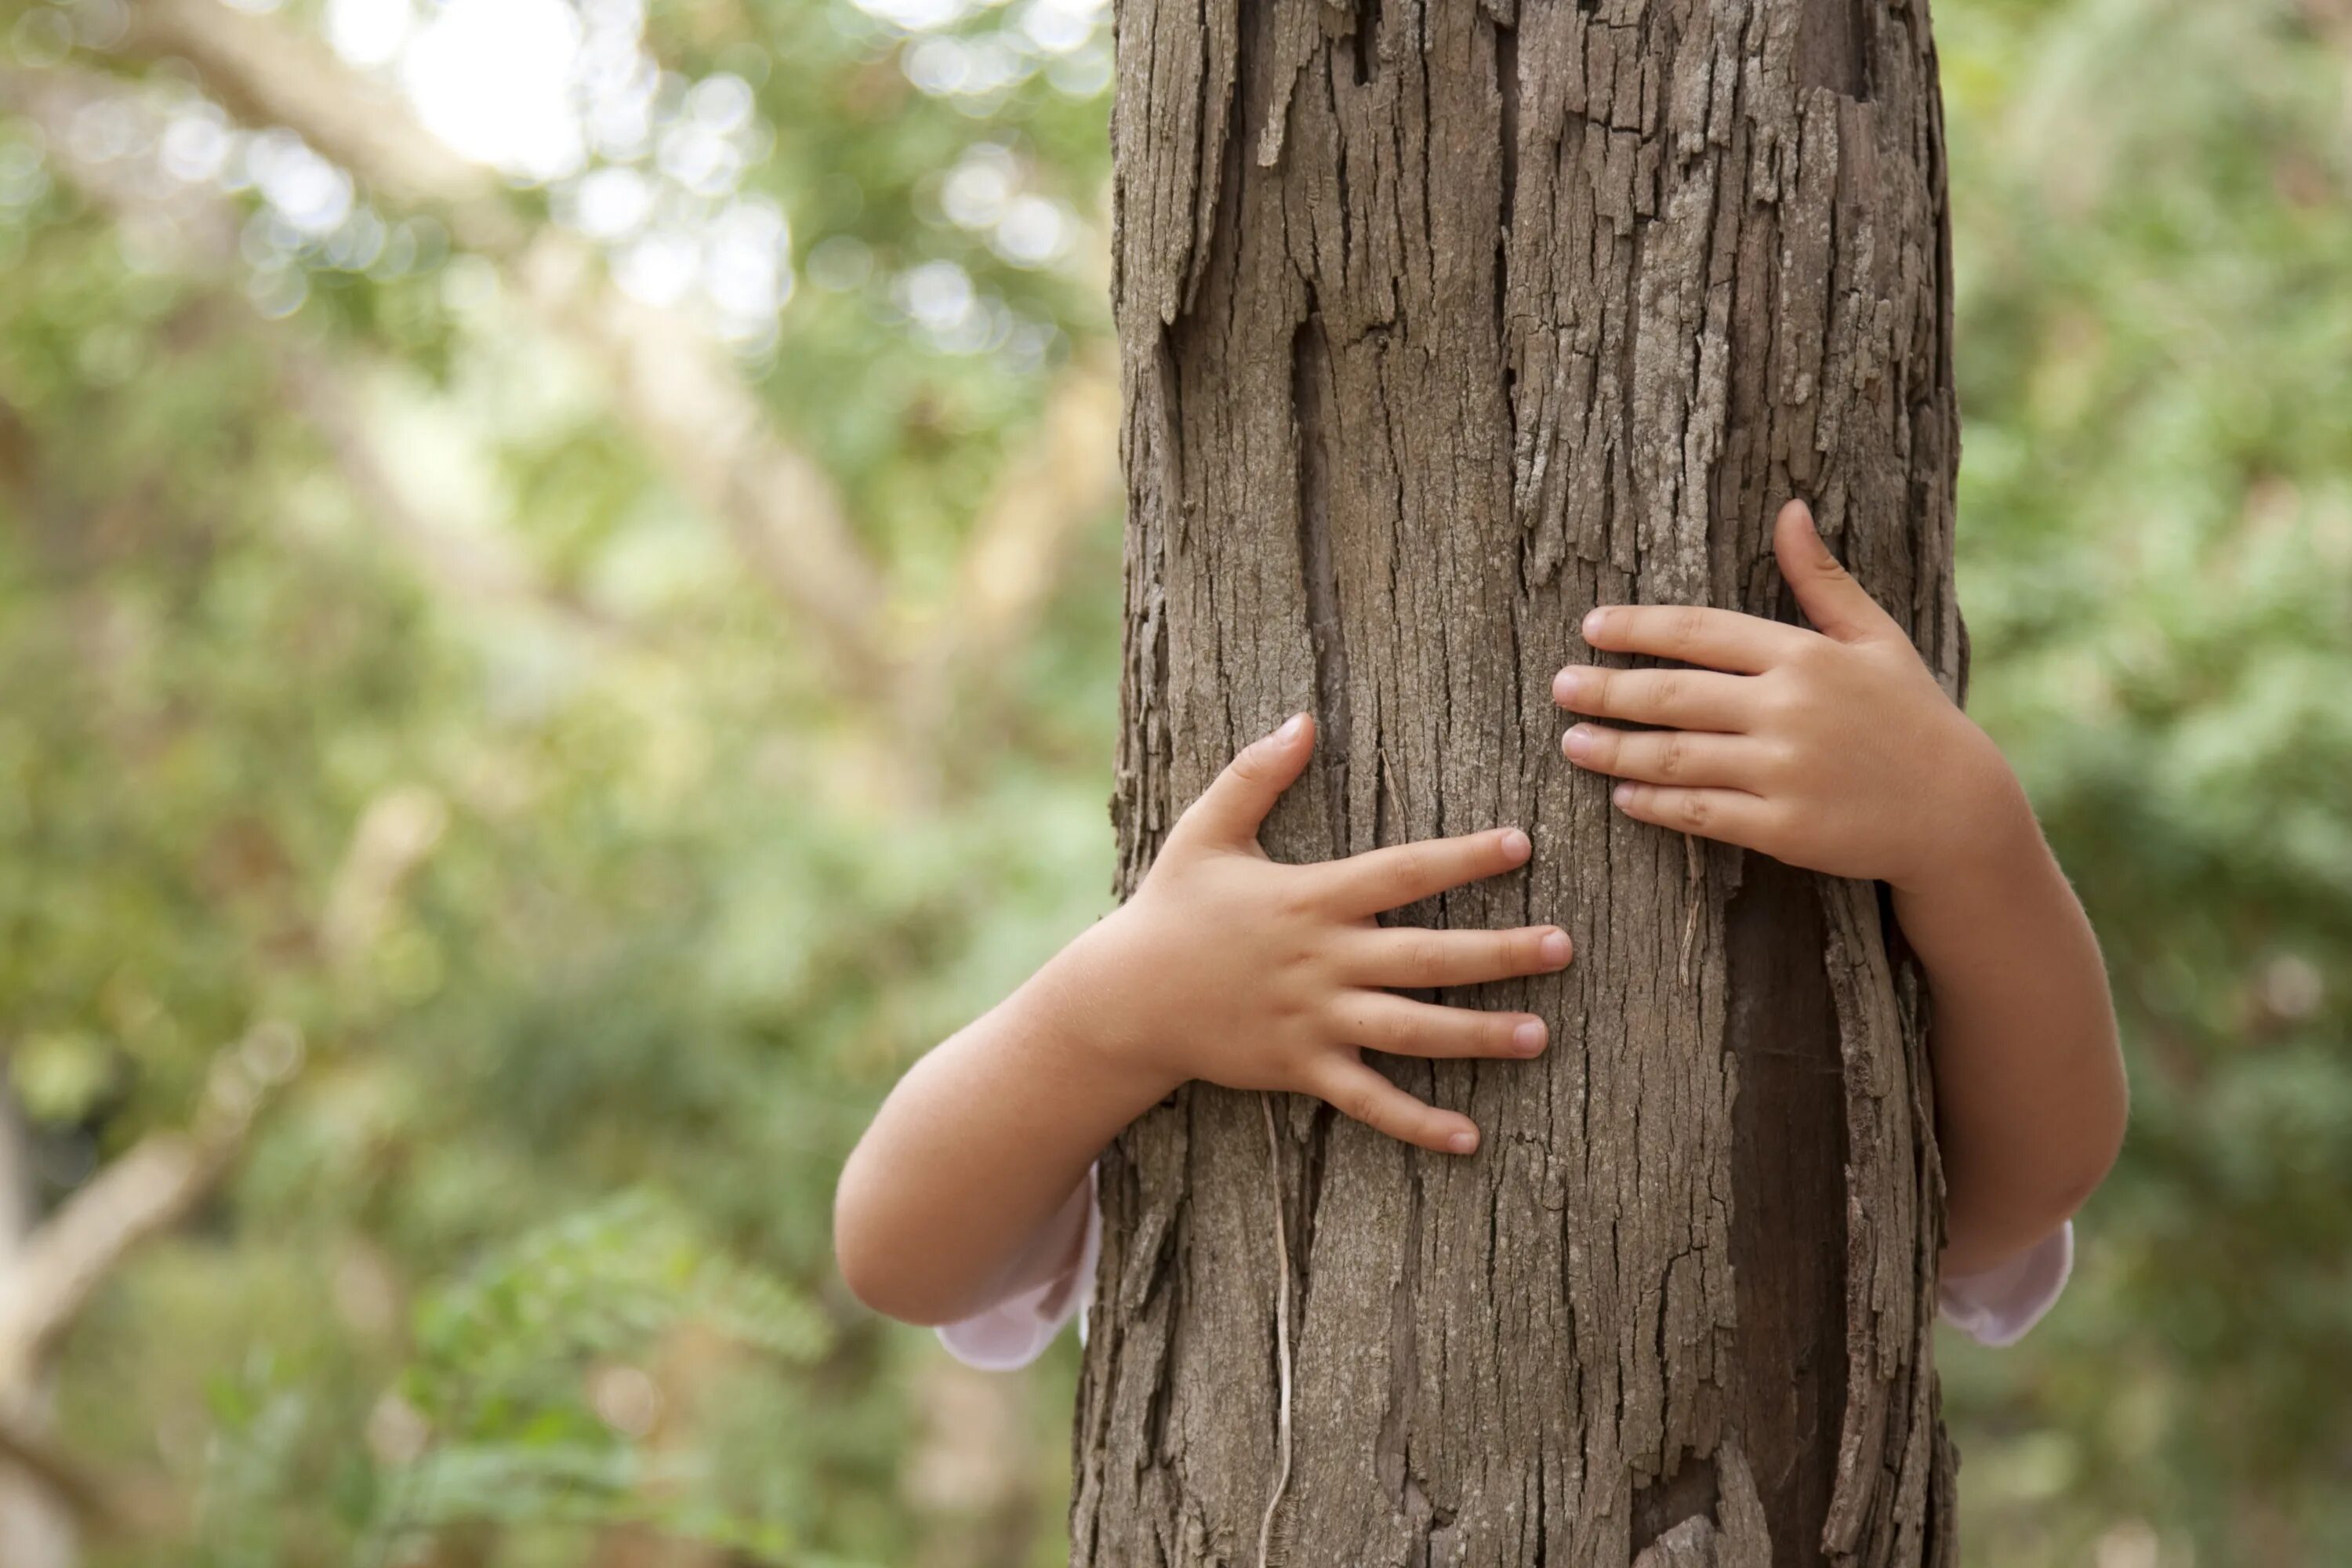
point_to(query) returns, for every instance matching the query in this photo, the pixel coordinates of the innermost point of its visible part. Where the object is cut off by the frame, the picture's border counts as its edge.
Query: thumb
(1838, 606)
(1237, 800)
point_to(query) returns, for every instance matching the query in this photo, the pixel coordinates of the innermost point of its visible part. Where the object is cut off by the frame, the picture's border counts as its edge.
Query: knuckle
(1410, 870)
(1777, 701)
(1298, 958)
(1293, 901)
(1688, 624)
(1373, 1026)
(1288, 1007)
(1673, 757)
(1693, 811)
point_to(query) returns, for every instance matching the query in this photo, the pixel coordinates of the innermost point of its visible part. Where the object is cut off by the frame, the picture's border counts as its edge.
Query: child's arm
(1226, 965)
(1836, 751)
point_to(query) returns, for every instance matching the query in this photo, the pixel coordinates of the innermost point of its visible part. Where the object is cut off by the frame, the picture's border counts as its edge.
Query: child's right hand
(1230, 966)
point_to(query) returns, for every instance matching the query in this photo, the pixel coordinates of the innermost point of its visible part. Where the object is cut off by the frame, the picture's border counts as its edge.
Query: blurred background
(558, 623)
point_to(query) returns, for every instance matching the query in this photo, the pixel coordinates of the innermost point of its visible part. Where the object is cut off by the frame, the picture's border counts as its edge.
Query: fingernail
(1515, 846)
(1577, 742)
(1463, 1142)
(1528, 1037)
(1554, 948)
(1622, 795)
(1290, 727)
(1567, 683)
(1592, 623)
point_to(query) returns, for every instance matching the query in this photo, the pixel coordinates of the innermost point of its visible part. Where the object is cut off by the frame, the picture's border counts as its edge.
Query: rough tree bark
(1442, 321)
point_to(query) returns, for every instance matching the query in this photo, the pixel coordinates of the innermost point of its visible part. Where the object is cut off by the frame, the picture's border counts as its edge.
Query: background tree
(370, 668)
(1441, 325)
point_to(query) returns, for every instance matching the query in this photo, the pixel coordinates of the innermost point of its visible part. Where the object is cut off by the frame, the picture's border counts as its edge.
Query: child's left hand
(1832, 750)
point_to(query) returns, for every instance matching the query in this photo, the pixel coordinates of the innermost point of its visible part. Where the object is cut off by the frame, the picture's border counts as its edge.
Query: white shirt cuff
(1997, 1305)
(1016, 1331)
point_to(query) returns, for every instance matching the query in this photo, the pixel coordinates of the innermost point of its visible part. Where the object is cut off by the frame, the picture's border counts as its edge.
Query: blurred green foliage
(2154, 238)
(604, 916)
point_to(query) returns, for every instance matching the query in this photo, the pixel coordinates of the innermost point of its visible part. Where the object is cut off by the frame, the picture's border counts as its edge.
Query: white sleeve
(1997, 1305)
(1016, 1331)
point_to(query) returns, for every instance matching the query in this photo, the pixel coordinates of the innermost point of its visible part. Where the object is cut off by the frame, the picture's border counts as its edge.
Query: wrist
(1991, 833)
(1099, 1027)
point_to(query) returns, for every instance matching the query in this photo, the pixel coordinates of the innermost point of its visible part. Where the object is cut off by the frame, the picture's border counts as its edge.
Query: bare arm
(1836, 751)
(1226, 965)
(945, 1205)
(2030, 1094)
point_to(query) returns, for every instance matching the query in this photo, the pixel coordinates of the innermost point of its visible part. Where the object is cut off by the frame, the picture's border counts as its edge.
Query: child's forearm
(1224, 965)
(942, 1206)
(1837, 750)
(2030, 1090)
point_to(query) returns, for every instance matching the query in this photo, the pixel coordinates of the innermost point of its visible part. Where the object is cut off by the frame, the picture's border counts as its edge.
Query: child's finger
(1413, 959)
(1356, 1090)
(1686, 699)
(1405, 873)
(1233, 806)
(1722, 640)
(1732, 815)
(1383, 1021)
(1667, 757)
(1828, 593)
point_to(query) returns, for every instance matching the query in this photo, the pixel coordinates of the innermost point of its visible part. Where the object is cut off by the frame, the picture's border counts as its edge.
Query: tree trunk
(1441, 323)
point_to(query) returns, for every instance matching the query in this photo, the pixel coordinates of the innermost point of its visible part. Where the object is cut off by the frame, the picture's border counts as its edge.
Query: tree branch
(1021, 544)
(154, 1185)
(472, 565)
(55, 1270)
(202, 226)
(662, 379)
(1068, 476)
(87, 1498)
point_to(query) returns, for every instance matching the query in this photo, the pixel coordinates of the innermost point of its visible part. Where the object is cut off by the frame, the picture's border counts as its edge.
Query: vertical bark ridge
(1442, 323)
(1310, 376)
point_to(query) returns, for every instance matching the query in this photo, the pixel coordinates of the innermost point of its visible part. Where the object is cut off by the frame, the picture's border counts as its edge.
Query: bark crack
(1310, 396)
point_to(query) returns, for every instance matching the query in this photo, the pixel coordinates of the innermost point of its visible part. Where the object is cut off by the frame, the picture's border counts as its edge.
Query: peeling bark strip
(1442, 322)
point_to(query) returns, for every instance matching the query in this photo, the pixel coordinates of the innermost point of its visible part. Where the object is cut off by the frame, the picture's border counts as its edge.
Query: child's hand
(1233, 967)
(1832, 750)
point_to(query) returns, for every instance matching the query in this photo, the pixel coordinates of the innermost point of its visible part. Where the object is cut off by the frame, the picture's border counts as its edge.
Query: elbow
(867, 1279)
(2102, 1149)
(1990, 1220)
(2102, 1116)
(862, 1265)
(2070, 1182)
(882, 1292)
(869, 1267)
(2103, 1141)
